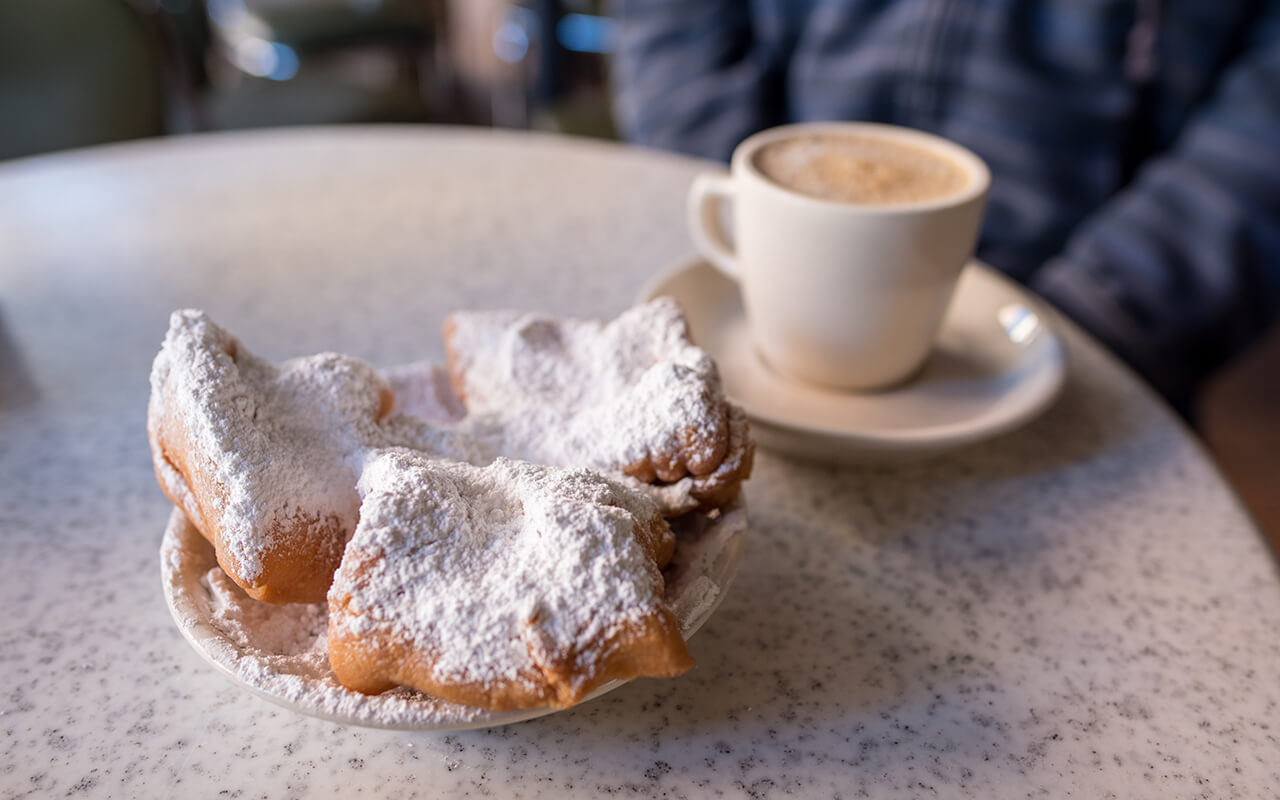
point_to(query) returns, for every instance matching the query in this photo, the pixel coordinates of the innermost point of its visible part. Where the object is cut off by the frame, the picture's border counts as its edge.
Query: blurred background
(75, 73)
(82, 72)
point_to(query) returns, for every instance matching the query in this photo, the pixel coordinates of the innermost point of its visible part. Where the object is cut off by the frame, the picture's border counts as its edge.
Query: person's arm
(1182, 269)
(688, 77)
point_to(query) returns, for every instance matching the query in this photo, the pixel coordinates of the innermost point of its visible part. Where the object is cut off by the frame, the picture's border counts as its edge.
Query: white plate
(997, 365)
(281, 654)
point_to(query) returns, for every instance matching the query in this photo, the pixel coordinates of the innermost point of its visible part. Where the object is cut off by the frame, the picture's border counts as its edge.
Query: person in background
(1134, 144)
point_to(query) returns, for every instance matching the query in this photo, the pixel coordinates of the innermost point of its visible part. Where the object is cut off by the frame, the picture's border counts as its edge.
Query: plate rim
(929, 439)
(209, 643)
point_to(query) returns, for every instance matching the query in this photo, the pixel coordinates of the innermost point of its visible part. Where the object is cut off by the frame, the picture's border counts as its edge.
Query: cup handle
(702, 213)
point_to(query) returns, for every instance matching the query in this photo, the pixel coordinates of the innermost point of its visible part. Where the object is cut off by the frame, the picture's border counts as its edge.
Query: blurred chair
(308, 61)
(312, 26)
(1237, 415)
(541, 63)
(76, 73)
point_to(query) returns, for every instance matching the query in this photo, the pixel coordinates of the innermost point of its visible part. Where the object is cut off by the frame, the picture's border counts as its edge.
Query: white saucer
(997, 365)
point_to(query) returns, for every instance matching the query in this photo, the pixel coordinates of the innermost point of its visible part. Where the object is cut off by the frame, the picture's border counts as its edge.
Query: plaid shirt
(1135, 145)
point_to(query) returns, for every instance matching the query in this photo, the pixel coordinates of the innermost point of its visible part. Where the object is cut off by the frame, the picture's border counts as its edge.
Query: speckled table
(1079, 609)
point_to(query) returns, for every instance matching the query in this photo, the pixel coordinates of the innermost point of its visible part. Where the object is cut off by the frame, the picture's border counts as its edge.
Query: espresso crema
(866, 170)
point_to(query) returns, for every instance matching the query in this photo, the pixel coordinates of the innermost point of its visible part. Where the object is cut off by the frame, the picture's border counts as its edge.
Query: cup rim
(743, 162)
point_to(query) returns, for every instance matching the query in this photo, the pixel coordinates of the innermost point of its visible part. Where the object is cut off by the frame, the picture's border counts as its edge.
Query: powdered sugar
(422, 391)
(286, 444)
(583, 393)
(283, 444)
(288, 631)
(495, 570)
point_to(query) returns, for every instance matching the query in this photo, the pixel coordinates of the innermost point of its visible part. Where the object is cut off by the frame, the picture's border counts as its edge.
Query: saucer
(997, 365)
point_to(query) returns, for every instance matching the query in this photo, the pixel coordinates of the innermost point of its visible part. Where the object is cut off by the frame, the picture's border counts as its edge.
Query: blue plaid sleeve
(688, 75)
(1182, 268)
(1175, 270)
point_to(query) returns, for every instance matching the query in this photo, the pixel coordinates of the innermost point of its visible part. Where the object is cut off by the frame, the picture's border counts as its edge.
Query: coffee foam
(860, 169)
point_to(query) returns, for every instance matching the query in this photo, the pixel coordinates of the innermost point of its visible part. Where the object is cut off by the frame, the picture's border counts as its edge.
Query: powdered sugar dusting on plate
(281, 652)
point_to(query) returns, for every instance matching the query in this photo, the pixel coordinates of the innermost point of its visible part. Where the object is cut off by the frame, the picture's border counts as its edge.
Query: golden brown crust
(295, 549)
(372, 663)
(454, 359)
(456, 583)
(658, 541)
(703, 492)
(298, 569)
(720, 487)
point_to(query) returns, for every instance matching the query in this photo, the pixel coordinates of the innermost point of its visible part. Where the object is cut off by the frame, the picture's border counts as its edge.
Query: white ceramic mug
(845, 295)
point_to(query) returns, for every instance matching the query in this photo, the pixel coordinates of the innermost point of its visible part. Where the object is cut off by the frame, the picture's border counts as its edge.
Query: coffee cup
(847, 240)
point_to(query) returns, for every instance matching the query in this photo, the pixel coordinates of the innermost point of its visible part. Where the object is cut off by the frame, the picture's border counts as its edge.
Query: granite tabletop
(1077, 609)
